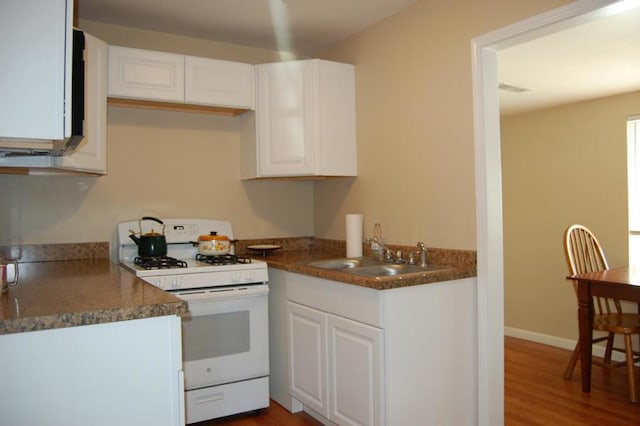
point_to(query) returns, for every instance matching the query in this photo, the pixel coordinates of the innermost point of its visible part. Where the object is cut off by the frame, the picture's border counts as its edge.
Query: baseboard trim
(558, 342)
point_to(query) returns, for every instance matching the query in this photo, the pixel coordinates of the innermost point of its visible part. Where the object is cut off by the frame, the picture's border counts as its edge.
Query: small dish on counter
(264, 248)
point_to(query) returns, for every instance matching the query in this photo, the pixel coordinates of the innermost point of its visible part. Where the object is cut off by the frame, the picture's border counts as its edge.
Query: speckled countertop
(66, 285)
(67, 293)
(295, 253)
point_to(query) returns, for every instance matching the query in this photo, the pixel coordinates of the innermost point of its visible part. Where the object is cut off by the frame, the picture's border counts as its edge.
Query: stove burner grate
(164, 262)
(222, 259)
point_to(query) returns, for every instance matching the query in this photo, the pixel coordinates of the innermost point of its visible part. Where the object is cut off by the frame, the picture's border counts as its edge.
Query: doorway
(489, 192)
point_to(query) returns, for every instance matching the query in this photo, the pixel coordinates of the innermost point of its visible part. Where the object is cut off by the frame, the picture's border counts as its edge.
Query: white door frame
(490, 368)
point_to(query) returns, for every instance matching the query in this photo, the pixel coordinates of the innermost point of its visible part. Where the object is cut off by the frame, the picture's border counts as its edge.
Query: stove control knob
(250, 277)
(175, 283)
(170, 283)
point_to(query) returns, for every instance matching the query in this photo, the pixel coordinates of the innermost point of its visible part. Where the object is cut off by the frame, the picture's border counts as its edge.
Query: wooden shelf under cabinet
(171, 106)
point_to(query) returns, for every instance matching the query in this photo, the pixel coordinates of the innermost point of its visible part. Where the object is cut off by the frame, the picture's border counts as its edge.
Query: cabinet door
(307, 356)
(32, 87)
(219, 83)
(284, 119)
(355, 372)
(145, 74)
(91, 154)
(335, 101)
(120, 373)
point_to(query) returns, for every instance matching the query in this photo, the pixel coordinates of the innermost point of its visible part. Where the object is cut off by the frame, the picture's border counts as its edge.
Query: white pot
(213, 245)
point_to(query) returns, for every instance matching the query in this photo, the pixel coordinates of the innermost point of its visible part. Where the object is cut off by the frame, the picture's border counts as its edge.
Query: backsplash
(100, 250)
(437, 256)
(53, 252)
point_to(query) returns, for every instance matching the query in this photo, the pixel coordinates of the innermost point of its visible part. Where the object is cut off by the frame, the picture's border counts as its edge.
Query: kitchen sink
(369, 267)
(395, 269)
(346, 263)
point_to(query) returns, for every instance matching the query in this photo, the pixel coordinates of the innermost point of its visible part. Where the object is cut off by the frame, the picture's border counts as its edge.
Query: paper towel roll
(354, 235)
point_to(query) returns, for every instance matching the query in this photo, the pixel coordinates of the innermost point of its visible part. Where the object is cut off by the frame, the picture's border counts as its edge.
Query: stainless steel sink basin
(346, 263)
(368, 267)
(395, 269)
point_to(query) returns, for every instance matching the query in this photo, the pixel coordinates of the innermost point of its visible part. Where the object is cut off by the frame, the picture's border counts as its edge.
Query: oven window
(215, 335)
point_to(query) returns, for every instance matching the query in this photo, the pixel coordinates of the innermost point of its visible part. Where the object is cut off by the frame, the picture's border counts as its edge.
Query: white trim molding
(557, 342)
(490, 308)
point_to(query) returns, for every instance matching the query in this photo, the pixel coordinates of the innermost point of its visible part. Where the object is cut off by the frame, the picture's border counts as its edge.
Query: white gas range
(225, 335)
(180, 235)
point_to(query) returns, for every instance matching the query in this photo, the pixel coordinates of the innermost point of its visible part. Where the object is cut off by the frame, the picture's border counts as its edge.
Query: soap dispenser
(377, 243)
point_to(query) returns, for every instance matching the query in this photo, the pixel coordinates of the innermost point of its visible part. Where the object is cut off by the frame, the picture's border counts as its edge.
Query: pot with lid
(213, 244)
(151, 244)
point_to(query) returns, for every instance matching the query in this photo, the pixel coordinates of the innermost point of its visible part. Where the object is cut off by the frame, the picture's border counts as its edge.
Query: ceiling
(594, 59)
(302, 26)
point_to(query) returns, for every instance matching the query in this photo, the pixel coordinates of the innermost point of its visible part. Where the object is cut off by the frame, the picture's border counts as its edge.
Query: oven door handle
(224, 293)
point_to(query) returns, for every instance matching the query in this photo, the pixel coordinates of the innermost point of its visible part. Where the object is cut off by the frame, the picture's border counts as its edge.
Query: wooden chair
(584, 254)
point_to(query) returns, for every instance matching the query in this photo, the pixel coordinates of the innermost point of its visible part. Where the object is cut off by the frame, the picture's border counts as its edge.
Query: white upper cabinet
(35, 37)
(220, 83)
(145, 74)
(304, 124)
(167, 77)
(90, 156)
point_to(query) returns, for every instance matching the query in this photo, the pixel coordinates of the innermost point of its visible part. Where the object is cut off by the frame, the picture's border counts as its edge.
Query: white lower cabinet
(118, 373)
(352, 355)
(355, 372)
(335, 365)
(308, 357)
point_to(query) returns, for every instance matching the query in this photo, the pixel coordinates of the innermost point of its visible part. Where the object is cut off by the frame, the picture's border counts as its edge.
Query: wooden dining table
(620, 283)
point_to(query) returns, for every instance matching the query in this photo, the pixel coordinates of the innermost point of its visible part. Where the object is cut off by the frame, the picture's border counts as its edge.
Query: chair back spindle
(584, 254)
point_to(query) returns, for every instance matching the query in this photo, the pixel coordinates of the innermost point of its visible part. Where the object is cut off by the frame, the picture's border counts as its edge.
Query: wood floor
(275, 415)
(535, 394)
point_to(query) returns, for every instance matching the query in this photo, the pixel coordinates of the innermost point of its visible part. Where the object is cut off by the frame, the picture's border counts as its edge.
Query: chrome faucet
(423, 254)
(388, 255)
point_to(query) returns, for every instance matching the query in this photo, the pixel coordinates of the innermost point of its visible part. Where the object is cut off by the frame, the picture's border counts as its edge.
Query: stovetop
(164, 262)
(222, 259)
(168, 262)
(193, 270)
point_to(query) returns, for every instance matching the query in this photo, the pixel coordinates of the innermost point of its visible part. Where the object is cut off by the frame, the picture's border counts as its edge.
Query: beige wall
(415, 123)
(168, 164)
(561, 166)
(415, 145)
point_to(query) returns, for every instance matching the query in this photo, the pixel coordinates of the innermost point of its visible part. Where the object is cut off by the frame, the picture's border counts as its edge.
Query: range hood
(52, 125)
(10, 147)
(79, 156)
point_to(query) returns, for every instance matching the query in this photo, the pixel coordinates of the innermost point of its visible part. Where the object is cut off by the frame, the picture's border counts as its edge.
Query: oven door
(225, 335)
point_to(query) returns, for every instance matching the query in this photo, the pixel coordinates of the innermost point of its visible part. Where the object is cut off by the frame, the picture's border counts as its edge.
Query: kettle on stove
(151, 244)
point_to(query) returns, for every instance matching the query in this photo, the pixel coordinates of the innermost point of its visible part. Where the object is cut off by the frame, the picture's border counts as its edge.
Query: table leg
(585, 321)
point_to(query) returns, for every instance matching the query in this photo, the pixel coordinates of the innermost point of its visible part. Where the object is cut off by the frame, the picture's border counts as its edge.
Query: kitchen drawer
(227, 399)
(358, 303)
